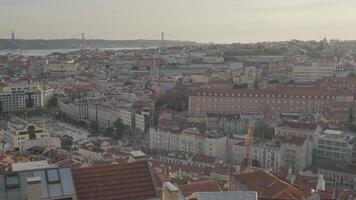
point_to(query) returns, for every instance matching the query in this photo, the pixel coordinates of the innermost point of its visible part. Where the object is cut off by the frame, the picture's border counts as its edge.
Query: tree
(52, 102)
(119, 128)
(176, 99)
(94, 128)
(66, 142)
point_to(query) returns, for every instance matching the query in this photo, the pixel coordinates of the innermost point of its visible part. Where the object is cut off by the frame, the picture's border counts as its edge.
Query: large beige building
(271, 102)
(18, 131)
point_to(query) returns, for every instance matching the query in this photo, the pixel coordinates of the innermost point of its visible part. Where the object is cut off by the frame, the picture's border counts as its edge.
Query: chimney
(33, 191)
(169, 191)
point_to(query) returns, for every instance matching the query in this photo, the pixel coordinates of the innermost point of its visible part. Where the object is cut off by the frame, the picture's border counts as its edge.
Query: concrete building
(334, 145)
(341, 175)
(190, 140)
(297, 152)
(268, 154)
(62, 69)
(22, 96)
(287, 152)
(296, 129)
(270, 102)
(307, 74)
(213, 59)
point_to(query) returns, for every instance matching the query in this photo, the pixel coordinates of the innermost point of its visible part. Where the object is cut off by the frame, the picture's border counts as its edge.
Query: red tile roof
(199, 186)
(204, 159)
(115, 182)
(269, 186)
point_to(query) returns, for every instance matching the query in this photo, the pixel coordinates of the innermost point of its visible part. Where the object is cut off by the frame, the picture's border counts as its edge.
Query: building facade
(18, 131)
(271, 102)
(18, 97)
(334, 145)
(190, 140)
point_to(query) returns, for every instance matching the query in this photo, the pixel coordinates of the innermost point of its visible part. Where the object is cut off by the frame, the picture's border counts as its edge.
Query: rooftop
(55, 183)
(122, 181)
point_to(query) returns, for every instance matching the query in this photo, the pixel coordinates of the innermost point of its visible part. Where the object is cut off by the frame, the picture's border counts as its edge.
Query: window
(12, 181)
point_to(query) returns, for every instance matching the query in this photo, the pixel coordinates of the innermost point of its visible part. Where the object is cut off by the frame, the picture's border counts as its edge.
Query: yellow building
(19, 131)
(199, 78)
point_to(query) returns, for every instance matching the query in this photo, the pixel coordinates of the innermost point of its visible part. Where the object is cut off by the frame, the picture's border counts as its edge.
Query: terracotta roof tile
(269, 186)
(199, 186)
(114, 182)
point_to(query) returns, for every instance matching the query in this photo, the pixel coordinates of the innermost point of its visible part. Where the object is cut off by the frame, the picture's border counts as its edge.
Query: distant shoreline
(23, 44)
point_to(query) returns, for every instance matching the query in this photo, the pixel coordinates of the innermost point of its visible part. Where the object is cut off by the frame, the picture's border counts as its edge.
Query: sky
(221, 21)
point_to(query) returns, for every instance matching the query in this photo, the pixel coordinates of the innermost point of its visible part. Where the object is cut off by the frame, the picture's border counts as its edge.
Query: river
(45, 52)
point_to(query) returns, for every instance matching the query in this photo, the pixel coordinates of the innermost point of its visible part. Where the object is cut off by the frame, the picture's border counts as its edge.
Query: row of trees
(116, 132)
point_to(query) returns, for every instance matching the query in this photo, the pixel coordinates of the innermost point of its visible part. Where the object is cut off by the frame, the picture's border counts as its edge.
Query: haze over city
(199, 20)
(177, 100)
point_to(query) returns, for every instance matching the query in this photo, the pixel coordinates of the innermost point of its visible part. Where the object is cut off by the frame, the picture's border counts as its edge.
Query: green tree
(118, 130)
(94, 128)
(53, 102)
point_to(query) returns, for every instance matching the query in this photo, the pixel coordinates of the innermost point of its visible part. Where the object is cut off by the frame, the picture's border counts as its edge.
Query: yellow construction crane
(248, 144)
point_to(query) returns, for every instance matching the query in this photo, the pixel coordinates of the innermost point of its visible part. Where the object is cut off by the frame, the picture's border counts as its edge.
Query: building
(213, 59)
(289, 152)
(270, 102)
(296, 129)
(307, 74)
(334, 145)
(266, 185)
(297, 152)
(122, 181)
(35, 184)
(190, 140)
(340, 175)
(16, 97)
(62, 69)
(240, 195)
(266, 154)
(18, 131)
(232, 123)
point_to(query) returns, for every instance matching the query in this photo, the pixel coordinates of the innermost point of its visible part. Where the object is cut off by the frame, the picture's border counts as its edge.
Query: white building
(190, 141)
(297, 152)
(62, 69)
(267, 153)
(18, 131)
(213, 59)
(306, 74)
(334, 145)
(284, 152)
(16, 97)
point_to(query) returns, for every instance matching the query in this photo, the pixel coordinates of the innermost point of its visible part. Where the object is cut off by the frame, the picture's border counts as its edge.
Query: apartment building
(271, 102)
(62, 69)
(21, 96)
(106, 115)
(190, 140)
(287, 152)
(341, 175)
(267, 154)
(307, 74)
(296, 129)
(334, 145)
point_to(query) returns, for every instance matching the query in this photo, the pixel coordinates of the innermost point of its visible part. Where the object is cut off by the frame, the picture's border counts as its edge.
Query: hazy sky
(197, 20)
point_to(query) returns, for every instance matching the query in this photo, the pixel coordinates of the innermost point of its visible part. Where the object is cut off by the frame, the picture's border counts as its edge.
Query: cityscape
(166, 118)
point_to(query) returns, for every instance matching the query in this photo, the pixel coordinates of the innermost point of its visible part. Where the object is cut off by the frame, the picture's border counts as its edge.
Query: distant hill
(77, 43)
